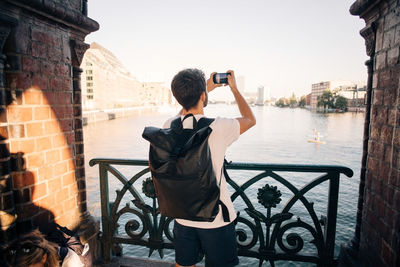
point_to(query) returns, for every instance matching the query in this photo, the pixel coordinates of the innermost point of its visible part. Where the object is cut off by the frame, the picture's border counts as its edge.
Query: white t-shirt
(224, 132)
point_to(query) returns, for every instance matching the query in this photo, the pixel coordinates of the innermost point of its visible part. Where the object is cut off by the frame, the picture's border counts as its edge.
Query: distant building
(356, 91)
(260, 95)
(308, 99)
(155, 93)
(355, 95)
(106, 83)
(317, 89)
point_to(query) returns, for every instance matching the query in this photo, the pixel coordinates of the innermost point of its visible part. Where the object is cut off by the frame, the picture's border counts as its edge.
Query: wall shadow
(19, 213)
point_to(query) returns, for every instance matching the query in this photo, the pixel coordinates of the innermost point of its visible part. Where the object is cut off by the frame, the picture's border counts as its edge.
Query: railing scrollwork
(295, 233)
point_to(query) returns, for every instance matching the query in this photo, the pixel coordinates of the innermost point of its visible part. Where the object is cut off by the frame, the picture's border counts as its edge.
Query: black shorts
(218, 244)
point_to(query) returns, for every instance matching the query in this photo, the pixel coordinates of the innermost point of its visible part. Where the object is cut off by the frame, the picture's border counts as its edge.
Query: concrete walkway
(136, 262)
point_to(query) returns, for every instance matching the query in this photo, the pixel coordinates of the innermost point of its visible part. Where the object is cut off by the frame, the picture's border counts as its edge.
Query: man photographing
(198, 230)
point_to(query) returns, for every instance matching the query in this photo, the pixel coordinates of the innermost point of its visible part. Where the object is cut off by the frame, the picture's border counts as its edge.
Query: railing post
(105, 212)
(333, 197)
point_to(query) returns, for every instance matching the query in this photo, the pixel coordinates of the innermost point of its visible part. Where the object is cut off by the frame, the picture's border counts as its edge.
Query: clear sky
(285, 45)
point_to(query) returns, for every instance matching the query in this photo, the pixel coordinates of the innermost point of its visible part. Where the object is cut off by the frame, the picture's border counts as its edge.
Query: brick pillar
(349, 251)
(88, 227)
(380, 220)
(7, 207)
(39, 124)
(42, 172)
(369, 34)
(79, 148)
(78, 49)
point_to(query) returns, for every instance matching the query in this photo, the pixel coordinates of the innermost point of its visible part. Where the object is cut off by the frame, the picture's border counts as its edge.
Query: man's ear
(203, 96)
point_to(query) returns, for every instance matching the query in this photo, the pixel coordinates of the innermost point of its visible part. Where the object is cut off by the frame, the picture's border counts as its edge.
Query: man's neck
(194, 111)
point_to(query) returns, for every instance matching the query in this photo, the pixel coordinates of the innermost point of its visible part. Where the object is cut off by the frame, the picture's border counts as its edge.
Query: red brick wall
(43, 114)
(380, 228)
(41, 119)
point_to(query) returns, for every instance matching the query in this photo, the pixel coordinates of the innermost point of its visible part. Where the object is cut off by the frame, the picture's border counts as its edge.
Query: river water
(280, 136)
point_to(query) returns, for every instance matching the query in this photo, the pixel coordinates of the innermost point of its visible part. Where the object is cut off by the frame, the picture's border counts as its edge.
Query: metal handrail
(261, 235)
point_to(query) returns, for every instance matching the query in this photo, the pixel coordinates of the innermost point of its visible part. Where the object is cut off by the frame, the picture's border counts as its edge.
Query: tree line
(291, 102)
(332, 100)
(328, 100)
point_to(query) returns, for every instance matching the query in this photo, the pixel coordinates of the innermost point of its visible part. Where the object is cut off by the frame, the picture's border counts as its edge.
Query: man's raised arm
(247, 120)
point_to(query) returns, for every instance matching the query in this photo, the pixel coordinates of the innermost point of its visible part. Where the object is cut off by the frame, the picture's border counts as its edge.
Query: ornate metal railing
(261, 234)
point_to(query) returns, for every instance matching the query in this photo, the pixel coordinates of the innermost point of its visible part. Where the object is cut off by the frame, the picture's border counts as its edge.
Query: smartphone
(221, 77)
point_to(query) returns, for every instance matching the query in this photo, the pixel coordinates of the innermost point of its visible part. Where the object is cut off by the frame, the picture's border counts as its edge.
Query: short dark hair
(187, 87)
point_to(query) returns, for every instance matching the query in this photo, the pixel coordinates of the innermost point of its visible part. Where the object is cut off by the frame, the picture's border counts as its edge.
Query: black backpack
(182, 171)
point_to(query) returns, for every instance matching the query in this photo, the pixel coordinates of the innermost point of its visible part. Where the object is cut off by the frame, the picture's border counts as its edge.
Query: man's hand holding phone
(211, 85)
(221, 79)
(231, 80)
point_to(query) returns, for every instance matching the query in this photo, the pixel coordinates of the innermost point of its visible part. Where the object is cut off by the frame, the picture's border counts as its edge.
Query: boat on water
(316, 138)
(316, 141)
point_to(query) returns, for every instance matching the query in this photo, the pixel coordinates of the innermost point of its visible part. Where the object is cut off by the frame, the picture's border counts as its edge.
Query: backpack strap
(176, 125)
(204, 122)
(225, 212)
(194, 119)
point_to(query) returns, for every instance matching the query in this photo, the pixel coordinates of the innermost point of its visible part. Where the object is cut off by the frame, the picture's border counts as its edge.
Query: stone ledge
(358, 7)
(59, 12)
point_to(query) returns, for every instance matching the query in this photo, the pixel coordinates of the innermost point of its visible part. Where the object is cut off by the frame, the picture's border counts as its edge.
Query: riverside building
(317, 89)
(107, 84)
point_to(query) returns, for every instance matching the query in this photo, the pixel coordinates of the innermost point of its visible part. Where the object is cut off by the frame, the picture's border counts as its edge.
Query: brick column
(349, 251)
(79, 148)
(7, 207)
(78, 49)
(39, 116)
(369, 35)
(88, 227)
(42, 174)
(379, 225)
